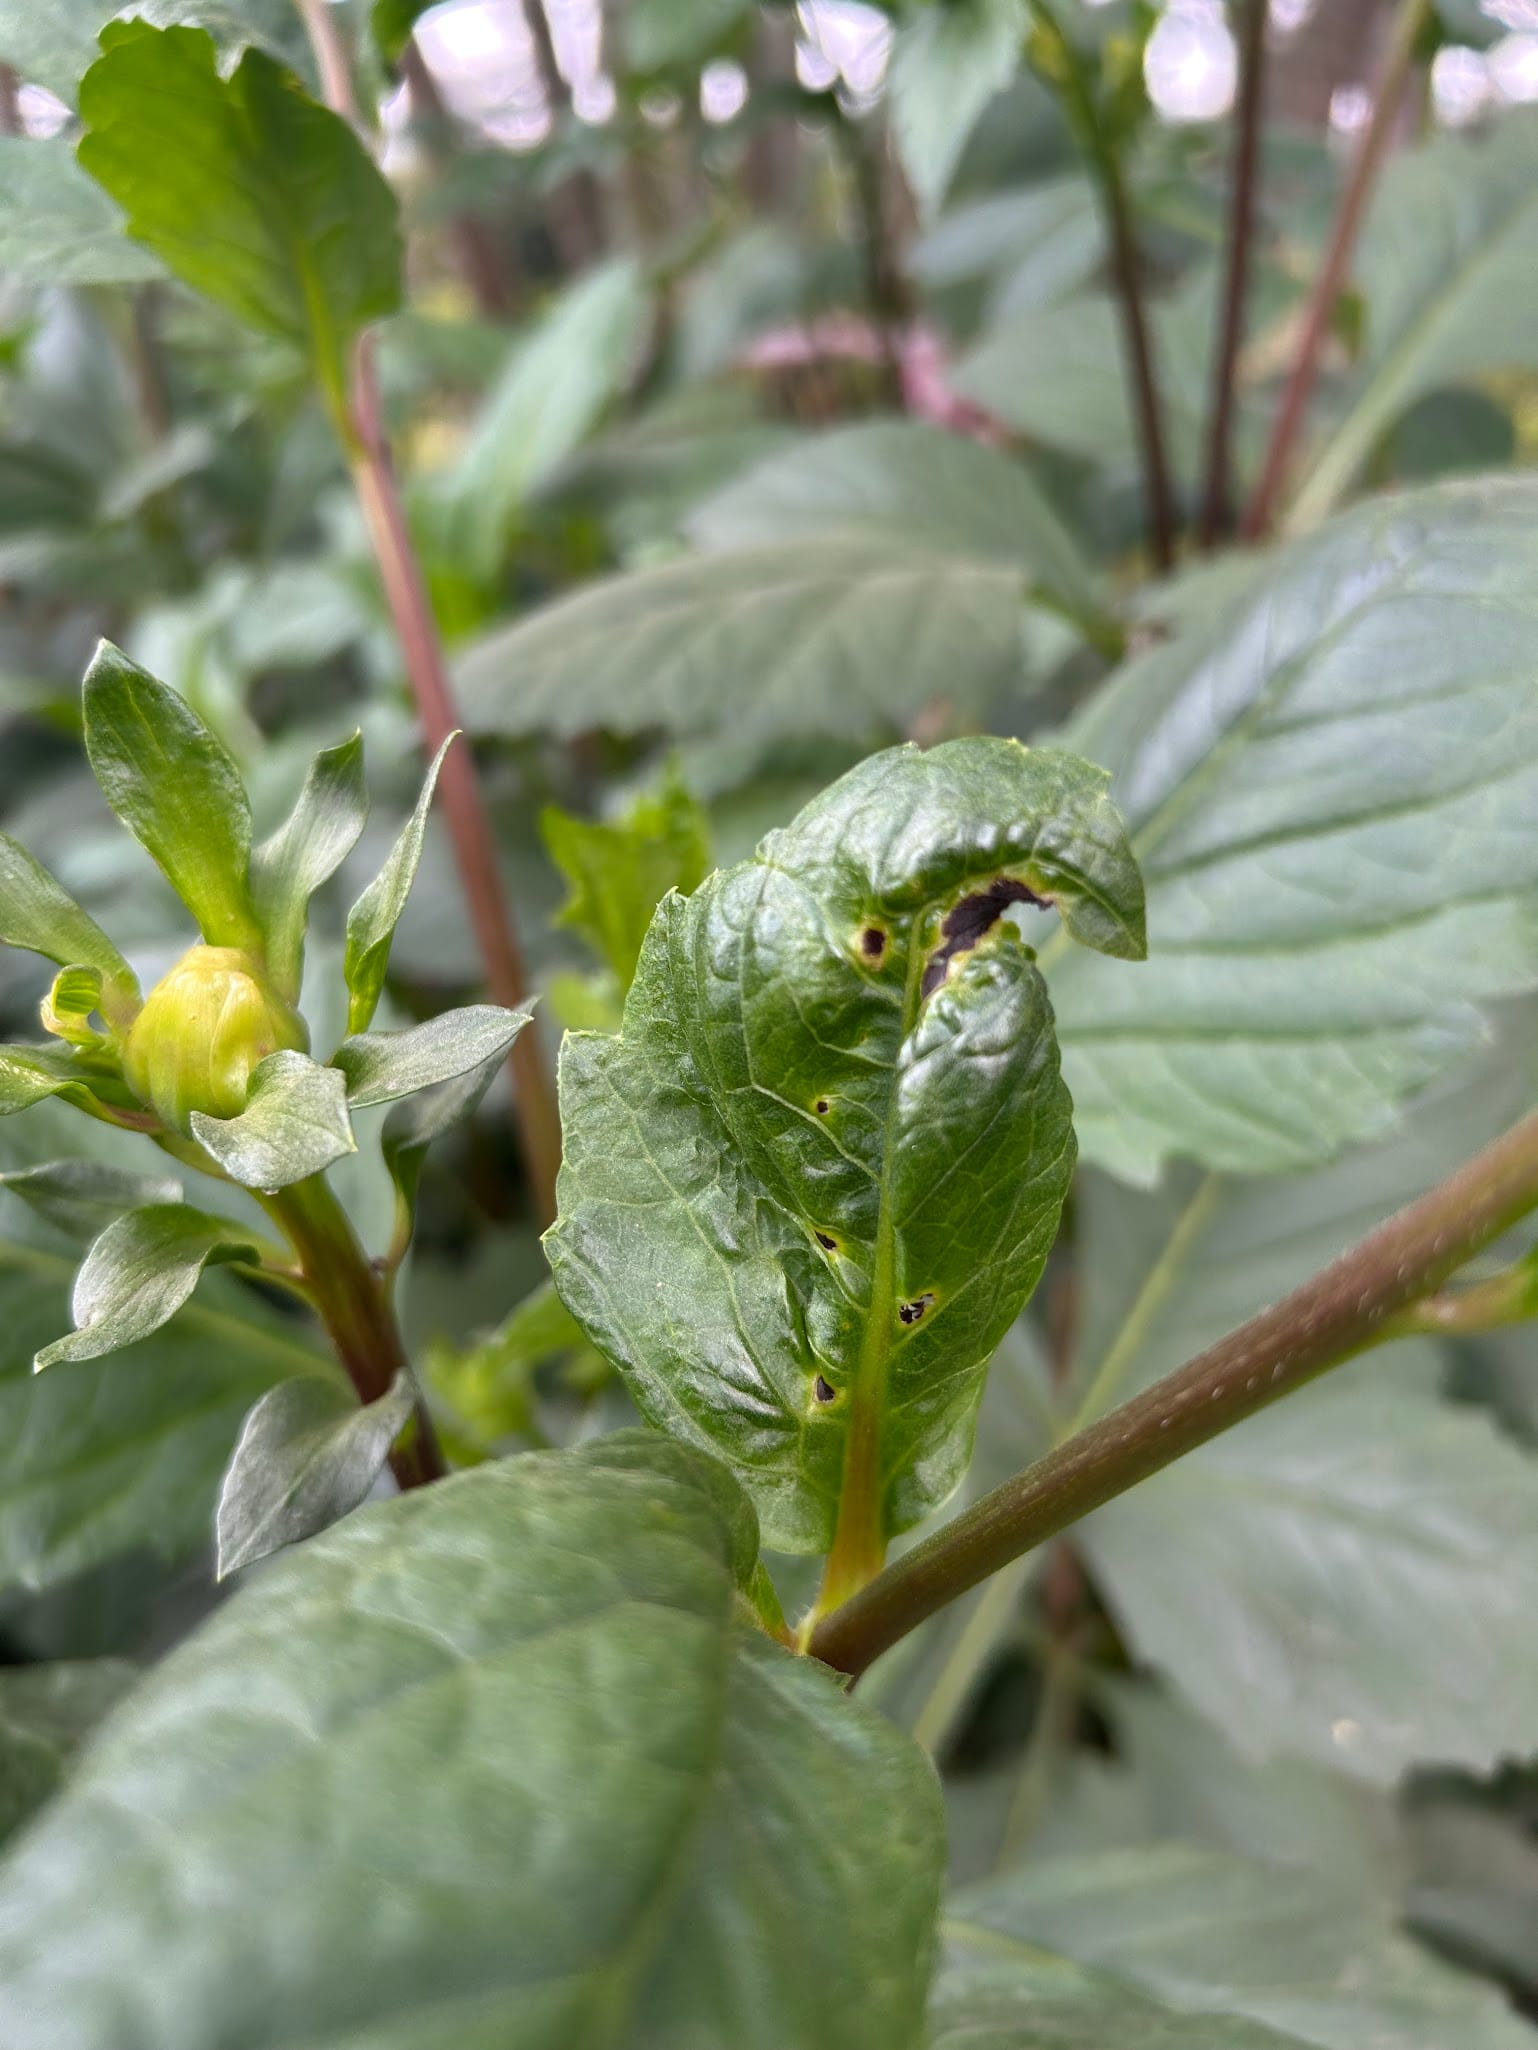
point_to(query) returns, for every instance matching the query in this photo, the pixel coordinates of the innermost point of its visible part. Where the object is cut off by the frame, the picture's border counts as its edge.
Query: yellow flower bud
(204, 1027)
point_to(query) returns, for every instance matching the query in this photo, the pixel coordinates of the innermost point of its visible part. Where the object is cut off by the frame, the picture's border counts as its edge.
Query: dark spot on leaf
(821, 1106)
(911, 1312)
(966, 922)
(873, 943)
(822, 1391)
(829, 1245)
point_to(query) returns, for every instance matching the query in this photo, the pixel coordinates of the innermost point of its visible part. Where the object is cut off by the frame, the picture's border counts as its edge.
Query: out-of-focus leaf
(307, 1455)
(947, 64)
(557, 383)
(659, 33)
(56, 227)
(53, 43)
(295, 1124)
(619, 873)
(812, 1182)
(910, 480)
(81, 1197)
(490, 1384)
(846, 635)
(548, 1642)
(173, 784)
(138, 1274)
(1329, 790)
(311, 844)
(45, 1713)
(245, 188)
(1286, 1957)
(372, 920)
(1446, 262)
(37, 913)
(380, 1066)
(1034, 243)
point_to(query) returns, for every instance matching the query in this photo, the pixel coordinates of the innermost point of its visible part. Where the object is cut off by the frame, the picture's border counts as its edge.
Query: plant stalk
(1346, 1308)
(1127, 279)
(352, 1303)
(470, 831)
(1260, 514)
(1217, 500)
(359, 423)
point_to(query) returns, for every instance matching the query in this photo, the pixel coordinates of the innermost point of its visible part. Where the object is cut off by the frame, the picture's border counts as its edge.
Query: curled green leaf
(311, 844)
(372, 920)
(816, 1177)
(294, 1124)
(138, 1274)
(38, 914)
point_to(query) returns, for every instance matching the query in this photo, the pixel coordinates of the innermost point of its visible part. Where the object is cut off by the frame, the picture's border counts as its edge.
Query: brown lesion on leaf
(910, 1313)
(826, 1240)
(967, 921)
(824, 1391)
(873, 945)
(822, 1106)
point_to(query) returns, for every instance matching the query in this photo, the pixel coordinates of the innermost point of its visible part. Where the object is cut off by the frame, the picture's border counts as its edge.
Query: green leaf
(138, 1274)
(490, 1384)
(392, 22)
(295, 1124)
(1364, 1566)
(817, 1175)
(545, 1644)
(372, 920)
(1359, 1549)
(847, 635)
(416, 1122)
(55, 45)
(38, 914)
(45, 1713)
(29, 1074)
(307, 1455)
(73, 1000)
(58, 228)
(618, 874)
(172, 783)
(1287, 1957)
(103, 1457)
(380, 1066)
(663, 33)
(81, 1197)
(947, 64)
(1447, 260)
(558, 381)
(910, 481)
(1366, 711)
(245, 188)
(308, 848)
(1040, 2002)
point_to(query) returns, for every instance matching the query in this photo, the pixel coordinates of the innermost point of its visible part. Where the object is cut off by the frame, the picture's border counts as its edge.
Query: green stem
(860, 1538)
(351, 1301)
(1126, 277)
(1346, 1308)
(1292, 410)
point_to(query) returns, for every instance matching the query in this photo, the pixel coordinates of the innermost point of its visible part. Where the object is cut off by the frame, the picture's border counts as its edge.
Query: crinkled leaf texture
(812, 1182)
(1331, 792)
(550, 1789)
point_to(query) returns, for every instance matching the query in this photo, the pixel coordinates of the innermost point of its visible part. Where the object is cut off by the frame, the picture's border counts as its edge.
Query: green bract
(814, 1179)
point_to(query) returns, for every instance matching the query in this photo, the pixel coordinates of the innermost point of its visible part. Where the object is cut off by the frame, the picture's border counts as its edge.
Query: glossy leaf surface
(372, 920)
(307, 1454)
(816, 1176)
(295, 1124)
(524, 1654)
(173, 784)
(244, 187)
(138, 1274)
(311, 844)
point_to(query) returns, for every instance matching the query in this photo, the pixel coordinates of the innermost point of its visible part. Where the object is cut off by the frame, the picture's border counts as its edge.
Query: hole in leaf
(966, 922)
(910, 1313)
(822, 1391)
(873, 943)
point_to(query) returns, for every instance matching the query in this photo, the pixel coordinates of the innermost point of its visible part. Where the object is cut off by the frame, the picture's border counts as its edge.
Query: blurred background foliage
(761, 400)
